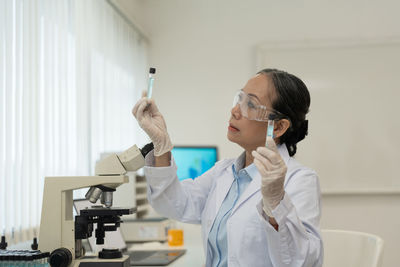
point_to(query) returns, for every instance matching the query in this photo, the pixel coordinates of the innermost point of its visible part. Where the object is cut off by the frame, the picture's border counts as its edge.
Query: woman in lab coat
(260, 209)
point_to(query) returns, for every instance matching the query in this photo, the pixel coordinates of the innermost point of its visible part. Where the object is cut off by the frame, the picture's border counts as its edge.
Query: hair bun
(303, 130)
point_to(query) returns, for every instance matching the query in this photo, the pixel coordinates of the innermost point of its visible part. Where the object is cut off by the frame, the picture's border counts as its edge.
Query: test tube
(29, 260)
(5, 260)
(46, 259)
(151, 81)
(35, 261)
(14, 259)
(270, 131)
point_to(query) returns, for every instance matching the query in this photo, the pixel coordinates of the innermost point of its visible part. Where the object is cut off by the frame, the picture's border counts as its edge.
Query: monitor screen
(193, 161)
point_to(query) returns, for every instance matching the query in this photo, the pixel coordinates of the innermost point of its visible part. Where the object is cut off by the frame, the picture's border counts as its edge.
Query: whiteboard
(354, 128)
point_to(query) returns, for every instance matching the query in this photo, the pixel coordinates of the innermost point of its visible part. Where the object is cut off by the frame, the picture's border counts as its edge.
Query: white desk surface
(194, 255)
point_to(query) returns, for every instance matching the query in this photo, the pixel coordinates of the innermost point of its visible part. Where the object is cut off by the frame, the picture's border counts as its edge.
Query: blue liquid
(270, 131)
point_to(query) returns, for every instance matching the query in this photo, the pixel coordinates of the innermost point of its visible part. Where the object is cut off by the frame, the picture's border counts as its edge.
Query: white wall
(205, 50)
(353, 85)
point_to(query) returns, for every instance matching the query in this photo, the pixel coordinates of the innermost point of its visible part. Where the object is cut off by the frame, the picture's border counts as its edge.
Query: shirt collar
(251, 170)
(240, 161)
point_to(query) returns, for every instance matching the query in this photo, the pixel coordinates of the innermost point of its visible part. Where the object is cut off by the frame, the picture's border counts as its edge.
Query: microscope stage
(103, 211)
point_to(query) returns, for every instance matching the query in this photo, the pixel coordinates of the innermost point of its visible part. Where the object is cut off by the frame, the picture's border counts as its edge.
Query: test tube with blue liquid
(152, 71)
(270, 129)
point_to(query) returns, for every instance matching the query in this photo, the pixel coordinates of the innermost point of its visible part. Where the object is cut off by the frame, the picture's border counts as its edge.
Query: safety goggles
(251, 108)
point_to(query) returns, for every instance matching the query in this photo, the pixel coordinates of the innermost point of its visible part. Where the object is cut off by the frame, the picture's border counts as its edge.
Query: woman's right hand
(152, 122)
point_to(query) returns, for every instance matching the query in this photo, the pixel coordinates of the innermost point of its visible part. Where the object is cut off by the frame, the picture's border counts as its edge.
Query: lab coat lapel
(252, 188)
(222, 188)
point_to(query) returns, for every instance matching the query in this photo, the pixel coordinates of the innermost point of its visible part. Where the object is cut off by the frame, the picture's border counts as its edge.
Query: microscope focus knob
(60, 257)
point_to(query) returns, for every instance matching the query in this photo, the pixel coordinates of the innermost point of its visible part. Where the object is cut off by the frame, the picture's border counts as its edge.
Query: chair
(351, 249)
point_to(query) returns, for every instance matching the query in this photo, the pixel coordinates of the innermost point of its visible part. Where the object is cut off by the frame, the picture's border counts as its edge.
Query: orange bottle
(175, 237)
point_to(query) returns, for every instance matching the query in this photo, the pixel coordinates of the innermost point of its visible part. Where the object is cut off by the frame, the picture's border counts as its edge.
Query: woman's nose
(235, 111)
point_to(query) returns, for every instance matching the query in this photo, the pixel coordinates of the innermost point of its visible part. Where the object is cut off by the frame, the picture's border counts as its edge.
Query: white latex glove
(273, 171)
(152, 122)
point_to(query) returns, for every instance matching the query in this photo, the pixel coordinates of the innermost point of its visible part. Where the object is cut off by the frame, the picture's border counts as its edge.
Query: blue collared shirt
(217, 239)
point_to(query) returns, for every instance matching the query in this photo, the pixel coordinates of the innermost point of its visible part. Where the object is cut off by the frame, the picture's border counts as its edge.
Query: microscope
(61, 235)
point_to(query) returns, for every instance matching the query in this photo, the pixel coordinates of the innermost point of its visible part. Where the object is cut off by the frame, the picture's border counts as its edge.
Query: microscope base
(91, 261)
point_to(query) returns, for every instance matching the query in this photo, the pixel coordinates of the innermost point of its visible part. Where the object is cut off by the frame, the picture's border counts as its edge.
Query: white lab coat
(252, 241)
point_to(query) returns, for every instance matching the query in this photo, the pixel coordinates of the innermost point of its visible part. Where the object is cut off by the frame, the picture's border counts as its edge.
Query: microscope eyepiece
(146, 149)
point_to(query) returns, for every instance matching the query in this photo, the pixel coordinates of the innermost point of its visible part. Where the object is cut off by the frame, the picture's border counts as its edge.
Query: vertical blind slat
(2, 113)
(18, 117)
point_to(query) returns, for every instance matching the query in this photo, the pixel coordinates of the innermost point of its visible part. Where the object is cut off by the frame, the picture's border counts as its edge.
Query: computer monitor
(193, 161)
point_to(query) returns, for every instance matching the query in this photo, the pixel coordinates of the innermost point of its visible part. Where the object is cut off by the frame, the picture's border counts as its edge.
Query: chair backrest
(351, 249)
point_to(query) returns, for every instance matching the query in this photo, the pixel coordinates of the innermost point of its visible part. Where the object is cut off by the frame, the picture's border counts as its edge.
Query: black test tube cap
(34, 245)
(152, 71)
(3, 243)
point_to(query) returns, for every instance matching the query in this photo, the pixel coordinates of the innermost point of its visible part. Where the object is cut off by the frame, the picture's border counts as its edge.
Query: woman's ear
(280, 127)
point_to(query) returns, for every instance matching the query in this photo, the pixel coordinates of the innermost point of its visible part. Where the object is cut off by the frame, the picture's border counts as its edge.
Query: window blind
(70, 73)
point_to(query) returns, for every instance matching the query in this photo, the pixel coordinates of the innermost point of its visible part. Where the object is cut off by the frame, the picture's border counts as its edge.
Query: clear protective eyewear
(251, 108)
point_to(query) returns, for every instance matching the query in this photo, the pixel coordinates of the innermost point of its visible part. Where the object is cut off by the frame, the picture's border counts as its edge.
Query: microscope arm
(131, 159)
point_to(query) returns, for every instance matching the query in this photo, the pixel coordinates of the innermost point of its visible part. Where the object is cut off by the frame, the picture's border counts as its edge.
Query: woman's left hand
(273, 171)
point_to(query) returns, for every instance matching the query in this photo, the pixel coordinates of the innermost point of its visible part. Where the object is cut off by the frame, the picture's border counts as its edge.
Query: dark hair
(293, 100)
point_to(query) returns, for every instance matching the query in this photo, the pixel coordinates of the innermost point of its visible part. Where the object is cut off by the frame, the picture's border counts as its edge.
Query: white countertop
(194, 255)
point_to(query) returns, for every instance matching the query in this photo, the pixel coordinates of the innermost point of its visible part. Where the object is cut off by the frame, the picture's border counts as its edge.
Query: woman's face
(251, 134)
